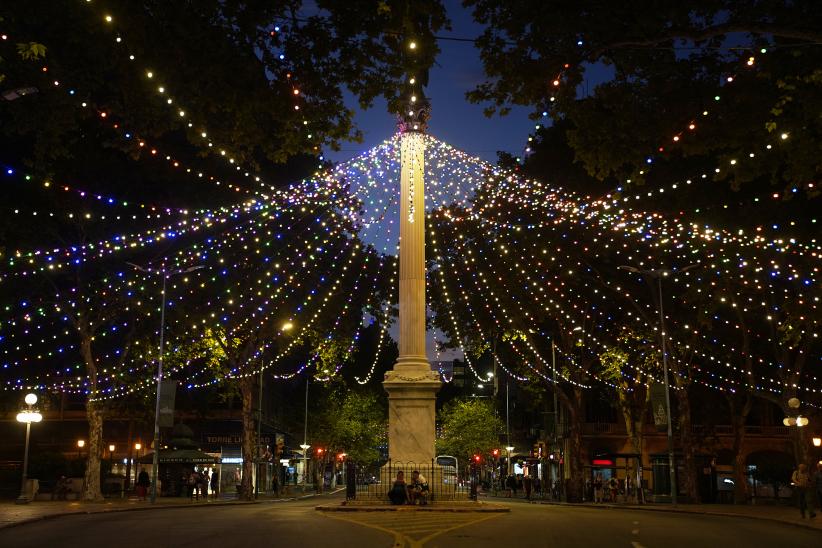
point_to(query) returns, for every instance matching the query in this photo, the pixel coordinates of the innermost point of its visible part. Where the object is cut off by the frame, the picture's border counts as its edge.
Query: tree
(468, 427)
(265, 80)
(95, 310)
(354, 423)
(655, 71)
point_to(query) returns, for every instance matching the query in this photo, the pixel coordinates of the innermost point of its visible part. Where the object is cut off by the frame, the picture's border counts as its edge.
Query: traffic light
(495, 453)
(476, 458)
(319, 451)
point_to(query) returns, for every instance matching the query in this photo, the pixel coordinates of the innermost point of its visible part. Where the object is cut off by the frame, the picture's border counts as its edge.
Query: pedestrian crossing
(414, 529)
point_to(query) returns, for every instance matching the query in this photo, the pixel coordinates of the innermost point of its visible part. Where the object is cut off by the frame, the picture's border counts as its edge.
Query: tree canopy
(727, 88)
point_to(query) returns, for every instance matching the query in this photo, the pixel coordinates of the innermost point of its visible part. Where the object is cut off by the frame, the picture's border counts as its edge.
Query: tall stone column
(412, 385)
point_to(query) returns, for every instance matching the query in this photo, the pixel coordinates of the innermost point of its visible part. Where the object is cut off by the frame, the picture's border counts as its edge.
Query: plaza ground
(298, 523)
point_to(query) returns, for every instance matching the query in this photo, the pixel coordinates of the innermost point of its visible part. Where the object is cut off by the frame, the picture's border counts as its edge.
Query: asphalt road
(297, 524)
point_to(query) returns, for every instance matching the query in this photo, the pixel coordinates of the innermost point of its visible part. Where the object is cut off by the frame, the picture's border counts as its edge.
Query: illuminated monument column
(412, 386)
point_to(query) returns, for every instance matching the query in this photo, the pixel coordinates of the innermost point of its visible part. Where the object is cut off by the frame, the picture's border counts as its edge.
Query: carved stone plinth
(411, 415)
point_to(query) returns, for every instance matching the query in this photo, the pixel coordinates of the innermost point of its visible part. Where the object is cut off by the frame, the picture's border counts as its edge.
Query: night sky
(453, 119)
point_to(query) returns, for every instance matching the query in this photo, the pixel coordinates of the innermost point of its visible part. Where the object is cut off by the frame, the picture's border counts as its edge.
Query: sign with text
(168, 395)
(658, 405)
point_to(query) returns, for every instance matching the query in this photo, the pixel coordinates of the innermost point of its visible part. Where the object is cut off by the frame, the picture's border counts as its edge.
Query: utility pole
(165, 274)
(556, 406)
(658, 274)
(259, 429)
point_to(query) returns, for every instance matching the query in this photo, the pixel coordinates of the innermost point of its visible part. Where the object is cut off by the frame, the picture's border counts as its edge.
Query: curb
(116, 510)
(444, 509)
(147, 508)
(680, 510)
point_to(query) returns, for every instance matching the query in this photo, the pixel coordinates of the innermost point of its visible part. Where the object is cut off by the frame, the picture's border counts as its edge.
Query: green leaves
(31, 51)
(354, 423)
(468, 427)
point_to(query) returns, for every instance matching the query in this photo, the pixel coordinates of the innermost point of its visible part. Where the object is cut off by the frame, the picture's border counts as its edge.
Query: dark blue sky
(453, 119)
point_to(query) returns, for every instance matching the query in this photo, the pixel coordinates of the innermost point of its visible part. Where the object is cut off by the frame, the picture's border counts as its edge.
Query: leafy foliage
(468, 427)
(355, 423)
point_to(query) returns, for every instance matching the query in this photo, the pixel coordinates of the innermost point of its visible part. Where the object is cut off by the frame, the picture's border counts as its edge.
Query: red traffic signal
(476, 458)
(495, 452)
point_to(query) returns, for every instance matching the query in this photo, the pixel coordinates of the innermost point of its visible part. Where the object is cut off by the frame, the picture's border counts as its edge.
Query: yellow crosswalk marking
(413, 530)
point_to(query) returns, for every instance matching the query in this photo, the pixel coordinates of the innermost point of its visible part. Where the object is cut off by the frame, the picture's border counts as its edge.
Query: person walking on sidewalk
(215, 484)
(598, 488)
(801, 483)
(143, 483)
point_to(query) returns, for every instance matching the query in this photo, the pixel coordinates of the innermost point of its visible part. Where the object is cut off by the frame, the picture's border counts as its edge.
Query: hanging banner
(168, 393)
(658, 405)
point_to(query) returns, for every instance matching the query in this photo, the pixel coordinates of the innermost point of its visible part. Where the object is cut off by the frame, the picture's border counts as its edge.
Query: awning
(180, 456)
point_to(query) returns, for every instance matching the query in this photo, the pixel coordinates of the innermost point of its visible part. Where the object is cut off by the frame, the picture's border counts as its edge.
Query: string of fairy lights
(509, 256)
(437, 193)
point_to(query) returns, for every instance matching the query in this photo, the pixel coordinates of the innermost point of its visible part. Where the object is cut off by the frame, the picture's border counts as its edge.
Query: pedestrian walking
(801, 483)
(527, 483)
(202, 484)
(215, 484)
(191, 484)
(598, 488)
(512, 486)
(613, 488)
(143, 484)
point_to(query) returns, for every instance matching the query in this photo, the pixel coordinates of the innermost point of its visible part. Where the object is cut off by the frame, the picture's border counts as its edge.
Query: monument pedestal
(411, 414)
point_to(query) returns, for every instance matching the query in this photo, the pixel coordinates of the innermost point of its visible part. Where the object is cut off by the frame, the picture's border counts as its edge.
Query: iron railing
(373, 488)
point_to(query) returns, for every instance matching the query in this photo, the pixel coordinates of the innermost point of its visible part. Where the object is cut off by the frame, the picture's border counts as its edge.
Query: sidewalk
(12, 514)
(781, 514)
(776, 513)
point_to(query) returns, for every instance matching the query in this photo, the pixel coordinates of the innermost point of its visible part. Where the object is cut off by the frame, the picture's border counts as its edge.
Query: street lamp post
(556, 411)
(658, 274)
(305, 448)
(165, 274)
(137, 447)
(305, 445)
(28, 416)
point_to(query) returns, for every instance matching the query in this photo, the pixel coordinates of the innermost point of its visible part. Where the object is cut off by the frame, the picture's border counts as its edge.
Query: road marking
(634, 531)
(635, 544)
(405, 526)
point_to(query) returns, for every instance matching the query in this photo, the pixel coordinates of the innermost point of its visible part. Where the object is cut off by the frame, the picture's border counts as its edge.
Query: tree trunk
(633, 415)
(686, 438)
(91, 485)
(95, 415)
(739, 415)
(576, 456)
(248, 393)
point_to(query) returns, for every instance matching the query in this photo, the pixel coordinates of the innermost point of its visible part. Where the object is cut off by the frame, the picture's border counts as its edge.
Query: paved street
(299, 524)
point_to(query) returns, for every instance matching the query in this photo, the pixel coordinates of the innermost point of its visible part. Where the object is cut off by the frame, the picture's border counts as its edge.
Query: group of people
(803, 484)
(610, 490)
(530, 485)
(197, 483)
(414, 492)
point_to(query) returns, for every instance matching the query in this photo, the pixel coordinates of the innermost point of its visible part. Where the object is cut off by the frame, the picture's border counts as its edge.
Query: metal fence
(372, 486)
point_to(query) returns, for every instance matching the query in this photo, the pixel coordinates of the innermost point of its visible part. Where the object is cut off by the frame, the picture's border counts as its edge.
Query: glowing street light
(28, 416)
